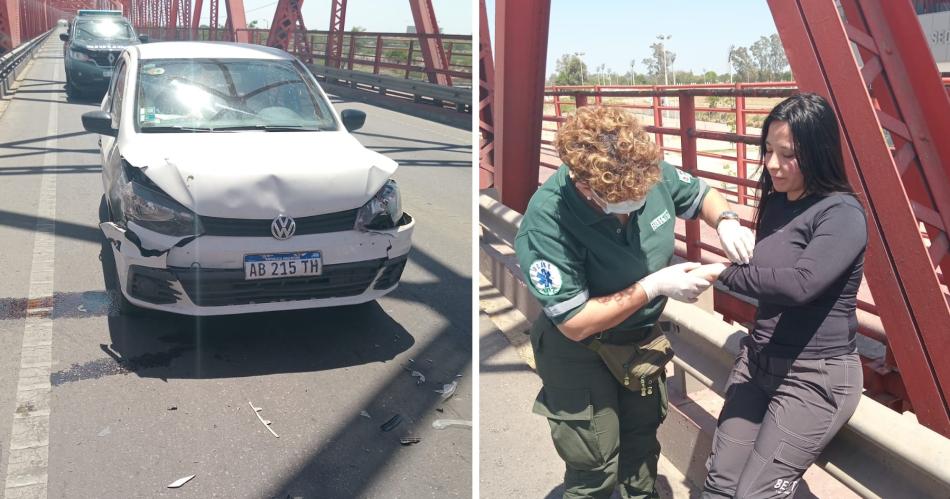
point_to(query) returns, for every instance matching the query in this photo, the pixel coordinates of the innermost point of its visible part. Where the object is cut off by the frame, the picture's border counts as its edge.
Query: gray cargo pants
(778, 416)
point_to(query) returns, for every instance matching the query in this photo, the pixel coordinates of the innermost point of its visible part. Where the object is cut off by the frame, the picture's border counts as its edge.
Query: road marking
(28, 457)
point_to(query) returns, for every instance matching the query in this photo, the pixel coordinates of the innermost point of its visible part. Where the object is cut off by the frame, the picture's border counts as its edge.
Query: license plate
(107, 73)
(278, 265)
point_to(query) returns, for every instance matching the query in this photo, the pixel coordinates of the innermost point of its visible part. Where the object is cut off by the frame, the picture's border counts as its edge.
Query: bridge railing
(13, 62)
(712, 131)
(397, 55)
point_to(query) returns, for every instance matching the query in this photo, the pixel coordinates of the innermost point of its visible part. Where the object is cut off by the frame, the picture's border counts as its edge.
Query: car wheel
(121, 304)
(125, 307)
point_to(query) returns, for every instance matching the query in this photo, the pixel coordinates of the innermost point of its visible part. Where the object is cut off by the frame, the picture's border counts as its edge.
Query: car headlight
(147, 206)
(383, 211)
(79, 56)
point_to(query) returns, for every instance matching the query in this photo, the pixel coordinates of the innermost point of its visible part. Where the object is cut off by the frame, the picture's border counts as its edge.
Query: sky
(454, 16)
(619, 31)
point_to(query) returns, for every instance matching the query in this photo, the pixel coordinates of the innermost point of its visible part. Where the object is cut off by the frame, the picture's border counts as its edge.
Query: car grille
(102, 57)
(318, 224)
(217, 287)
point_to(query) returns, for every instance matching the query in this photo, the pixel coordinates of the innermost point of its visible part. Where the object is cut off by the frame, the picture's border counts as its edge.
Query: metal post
(334, 46)
(379, 53)
(689, 160)
(352, 51)
(740, 146)
(521, 30)
(409, 58)
(430, 40)
(486, 87)
(657, 117)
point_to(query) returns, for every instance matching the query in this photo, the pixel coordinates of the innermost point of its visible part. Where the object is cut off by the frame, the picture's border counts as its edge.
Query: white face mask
(622, 208)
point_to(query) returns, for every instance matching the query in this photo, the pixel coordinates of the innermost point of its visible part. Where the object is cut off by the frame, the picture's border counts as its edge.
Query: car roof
(206, 50)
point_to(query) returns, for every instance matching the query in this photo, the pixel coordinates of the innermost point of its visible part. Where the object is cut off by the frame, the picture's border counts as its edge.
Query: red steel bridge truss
(21, 20)
(870, 60)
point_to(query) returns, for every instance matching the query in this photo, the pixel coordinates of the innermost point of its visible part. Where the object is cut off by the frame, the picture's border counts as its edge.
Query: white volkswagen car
(233, 186)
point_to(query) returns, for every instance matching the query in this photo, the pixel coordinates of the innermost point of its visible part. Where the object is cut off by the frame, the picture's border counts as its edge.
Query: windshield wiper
(175, 129)
(270, 128)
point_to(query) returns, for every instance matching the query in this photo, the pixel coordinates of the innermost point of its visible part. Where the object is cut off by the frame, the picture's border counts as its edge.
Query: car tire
(120, 303)
(70, 90)
(125, 307)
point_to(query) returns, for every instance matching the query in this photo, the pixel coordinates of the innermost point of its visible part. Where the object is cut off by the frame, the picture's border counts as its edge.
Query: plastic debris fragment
(180, 482)
(392, 423)
(409, 440)
(448, 390)
(266, 423)
(365, 415)
(441, 424)
(105, 432)
(422, 377)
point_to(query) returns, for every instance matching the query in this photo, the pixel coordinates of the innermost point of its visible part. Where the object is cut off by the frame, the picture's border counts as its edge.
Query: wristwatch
(728, 214)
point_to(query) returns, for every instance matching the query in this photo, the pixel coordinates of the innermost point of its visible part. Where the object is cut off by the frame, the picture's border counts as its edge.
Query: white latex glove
(676, 282)
(737, 241)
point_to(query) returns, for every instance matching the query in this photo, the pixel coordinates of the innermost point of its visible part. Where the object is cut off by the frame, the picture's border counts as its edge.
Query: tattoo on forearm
(618, 296)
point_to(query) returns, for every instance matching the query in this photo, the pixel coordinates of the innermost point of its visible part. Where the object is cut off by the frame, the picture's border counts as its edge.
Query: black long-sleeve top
(807, 266)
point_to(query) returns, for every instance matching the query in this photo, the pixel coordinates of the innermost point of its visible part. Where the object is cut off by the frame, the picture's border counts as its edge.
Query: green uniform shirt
(570, 251)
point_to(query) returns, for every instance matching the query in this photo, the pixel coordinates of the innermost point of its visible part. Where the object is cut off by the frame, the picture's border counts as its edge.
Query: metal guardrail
(419, 91)
(12, 63)
(878, 453)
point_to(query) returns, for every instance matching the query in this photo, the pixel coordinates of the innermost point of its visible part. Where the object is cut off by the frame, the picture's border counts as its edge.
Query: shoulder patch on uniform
(545, 277)
(685, 177)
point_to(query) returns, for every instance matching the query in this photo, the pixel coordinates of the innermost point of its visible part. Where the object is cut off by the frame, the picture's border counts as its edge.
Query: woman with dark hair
(797, 378)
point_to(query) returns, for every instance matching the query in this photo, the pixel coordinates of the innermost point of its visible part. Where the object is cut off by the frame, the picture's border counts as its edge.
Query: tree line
(763, 60)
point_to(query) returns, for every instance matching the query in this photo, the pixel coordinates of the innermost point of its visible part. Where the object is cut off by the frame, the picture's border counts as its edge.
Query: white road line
(28, 456)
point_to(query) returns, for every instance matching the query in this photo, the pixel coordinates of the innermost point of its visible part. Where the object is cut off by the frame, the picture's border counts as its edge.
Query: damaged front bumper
(204, 275)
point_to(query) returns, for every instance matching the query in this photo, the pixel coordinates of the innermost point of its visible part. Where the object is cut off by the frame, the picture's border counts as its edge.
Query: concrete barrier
(13, 62)
(878, 454)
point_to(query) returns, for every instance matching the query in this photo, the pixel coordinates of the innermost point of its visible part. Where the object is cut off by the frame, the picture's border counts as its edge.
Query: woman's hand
(709, 272)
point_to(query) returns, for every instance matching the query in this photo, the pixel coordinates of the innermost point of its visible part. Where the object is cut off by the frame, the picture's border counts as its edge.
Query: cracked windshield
(211, 94)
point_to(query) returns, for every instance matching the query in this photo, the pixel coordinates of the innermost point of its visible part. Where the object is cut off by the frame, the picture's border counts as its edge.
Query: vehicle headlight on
(382, 211)
(79, 56)
(152, 209)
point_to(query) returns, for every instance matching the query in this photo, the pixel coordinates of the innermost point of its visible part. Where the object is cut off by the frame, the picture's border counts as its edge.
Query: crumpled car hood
(260, 174)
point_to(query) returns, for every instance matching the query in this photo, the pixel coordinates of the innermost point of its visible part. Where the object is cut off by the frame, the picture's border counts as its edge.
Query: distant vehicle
(232, 186)
(62, 23)
(93, 42)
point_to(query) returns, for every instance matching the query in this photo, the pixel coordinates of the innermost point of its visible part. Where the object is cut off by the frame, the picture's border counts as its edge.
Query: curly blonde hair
(607, 149)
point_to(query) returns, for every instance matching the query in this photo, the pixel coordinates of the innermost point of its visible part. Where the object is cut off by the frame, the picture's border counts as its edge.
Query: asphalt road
(138, 402)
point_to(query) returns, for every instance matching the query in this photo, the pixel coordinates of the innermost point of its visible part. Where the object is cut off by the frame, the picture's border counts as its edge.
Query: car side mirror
(143, 38)
(353, 119)
(64, 37)
(99, 122)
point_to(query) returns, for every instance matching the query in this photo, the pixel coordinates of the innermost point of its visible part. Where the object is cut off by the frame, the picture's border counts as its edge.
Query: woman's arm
(839, 236)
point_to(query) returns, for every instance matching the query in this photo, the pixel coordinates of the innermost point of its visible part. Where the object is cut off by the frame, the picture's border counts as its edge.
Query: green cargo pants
(605, 433)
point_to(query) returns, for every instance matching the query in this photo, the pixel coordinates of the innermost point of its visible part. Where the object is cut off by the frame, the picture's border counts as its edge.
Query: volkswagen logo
(283, 227)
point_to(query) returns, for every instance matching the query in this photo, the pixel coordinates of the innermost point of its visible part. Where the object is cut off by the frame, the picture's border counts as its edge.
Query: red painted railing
(687, 122)
(391, 54)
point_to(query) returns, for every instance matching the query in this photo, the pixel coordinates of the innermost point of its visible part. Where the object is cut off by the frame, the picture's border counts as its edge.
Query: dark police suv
(93, 42)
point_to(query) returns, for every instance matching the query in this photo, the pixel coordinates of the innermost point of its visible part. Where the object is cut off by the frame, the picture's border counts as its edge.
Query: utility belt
(637, 358)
